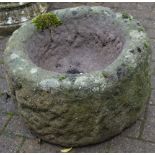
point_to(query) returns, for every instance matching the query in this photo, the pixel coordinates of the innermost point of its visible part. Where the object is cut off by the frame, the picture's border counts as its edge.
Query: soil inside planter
(79, 45)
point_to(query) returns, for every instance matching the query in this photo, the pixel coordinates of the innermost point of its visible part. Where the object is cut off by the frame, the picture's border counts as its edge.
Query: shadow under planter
(83, 81)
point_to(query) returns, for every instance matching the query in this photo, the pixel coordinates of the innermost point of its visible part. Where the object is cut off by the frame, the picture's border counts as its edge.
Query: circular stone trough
(83, 81)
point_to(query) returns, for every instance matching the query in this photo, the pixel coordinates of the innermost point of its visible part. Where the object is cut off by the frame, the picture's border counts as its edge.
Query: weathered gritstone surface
(74, 110)
(139, 138)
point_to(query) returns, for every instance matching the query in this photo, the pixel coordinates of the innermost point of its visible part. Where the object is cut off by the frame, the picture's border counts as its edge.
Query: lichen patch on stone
(33, 70)
(49, 83)
(136, 34)
(81, 81)
(14, 56)
(20, 68)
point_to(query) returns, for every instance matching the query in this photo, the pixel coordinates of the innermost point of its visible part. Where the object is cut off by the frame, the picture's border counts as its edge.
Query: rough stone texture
(13, 15)
(81, 109)
(147, 145)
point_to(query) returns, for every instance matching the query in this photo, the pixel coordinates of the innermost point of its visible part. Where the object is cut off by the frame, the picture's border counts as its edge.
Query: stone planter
(12, 15)
(89, 84)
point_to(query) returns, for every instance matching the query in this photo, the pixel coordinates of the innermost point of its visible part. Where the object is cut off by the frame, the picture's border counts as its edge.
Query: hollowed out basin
(14, 14)
(84, 81)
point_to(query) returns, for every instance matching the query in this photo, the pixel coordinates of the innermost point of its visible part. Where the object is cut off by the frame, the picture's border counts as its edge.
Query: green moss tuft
(46, 20)
(126, 16)
(140, 29)
(146, 45)
(105, 75)
(62, 78)
(10, 113)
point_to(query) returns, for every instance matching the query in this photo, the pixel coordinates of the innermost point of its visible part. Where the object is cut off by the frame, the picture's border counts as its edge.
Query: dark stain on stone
(58, 65)
(139, 50)
(73, 71)
(132, 51)
(139, 24)
(120, 73)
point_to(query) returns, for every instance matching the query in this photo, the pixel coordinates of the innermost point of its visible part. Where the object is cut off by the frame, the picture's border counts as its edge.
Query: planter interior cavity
(79, 45)
(64, 107)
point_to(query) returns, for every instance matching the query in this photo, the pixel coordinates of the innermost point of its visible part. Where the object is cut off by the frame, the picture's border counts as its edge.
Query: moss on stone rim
(46, 20)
